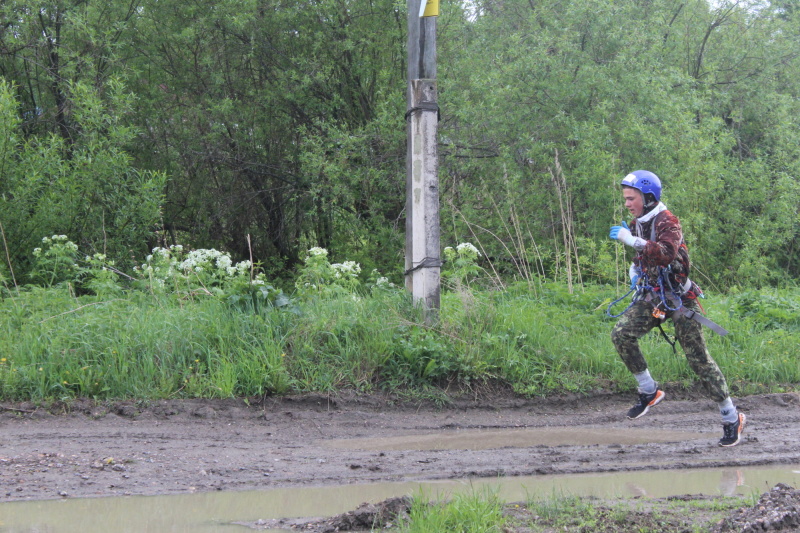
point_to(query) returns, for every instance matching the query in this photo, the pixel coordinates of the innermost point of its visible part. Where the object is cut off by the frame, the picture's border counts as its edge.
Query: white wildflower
(466, 246)
(348, 268)
(224, 262)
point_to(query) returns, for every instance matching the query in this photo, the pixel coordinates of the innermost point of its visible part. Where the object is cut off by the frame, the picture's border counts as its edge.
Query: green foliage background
(137, 123)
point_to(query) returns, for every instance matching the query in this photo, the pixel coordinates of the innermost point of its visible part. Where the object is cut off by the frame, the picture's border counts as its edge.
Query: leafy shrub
(85, 186)
(418, 357)
(767, 308)
(422, 356)
(319, 277)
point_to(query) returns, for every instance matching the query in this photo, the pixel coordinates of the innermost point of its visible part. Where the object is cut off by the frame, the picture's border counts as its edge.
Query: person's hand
(620, 232)
(623, 234)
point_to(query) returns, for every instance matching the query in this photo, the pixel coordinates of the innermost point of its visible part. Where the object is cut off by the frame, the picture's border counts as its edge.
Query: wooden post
(422, 258)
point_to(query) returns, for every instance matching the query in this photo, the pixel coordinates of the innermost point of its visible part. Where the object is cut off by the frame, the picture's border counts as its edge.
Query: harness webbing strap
(666, 338)
(697, 317)
(694, 315)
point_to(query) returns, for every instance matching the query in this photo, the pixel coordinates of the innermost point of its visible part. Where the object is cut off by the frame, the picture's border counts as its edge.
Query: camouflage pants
(638, 320)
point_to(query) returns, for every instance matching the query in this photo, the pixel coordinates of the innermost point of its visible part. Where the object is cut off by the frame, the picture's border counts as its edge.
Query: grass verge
(484, 512)
(56, 345)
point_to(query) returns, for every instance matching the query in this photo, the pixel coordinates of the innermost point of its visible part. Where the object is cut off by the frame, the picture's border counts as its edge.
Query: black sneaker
(646, 401)
(732, 433)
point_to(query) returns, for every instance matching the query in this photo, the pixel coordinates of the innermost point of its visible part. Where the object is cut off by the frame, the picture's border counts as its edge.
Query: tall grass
(466, 513)
(56, 345)
(136, 344)
(484, 512)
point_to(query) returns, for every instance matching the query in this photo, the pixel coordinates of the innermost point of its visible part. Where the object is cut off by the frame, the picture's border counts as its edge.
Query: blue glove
(615, 231)
(623, 234)
(634, 281)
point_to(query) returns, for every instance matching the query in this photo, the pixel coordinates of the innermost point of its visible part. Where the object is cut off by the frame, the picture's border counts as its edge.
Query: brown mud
(88, 449)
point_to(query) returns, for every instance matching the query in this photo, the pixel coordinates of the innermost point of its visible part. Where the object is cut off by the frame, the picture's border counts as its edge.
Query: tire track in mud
(172, 447)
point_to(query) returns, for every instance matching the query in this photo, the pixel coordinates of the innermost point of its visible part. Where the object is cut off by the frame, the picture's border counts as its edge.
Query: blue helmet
(645, 181)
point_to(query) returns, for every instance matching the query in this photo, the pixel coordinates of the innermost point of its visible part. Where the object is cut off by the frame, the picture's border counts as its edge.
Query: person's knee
(619, 337)
(614, 337)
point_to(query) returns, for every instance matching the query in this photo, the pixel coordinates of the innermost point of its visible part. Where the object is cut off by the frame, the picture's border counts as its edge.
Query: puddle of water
(214, 512)
(516, 438)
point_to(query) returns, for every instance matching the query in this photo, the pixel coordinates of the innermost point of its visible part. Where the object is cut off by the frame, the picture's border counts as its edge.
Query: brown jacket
(664, 248)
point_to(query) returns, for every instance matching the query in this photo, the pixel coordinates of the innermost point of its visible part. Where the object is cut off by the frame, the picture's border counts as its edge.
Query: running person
(661, 268)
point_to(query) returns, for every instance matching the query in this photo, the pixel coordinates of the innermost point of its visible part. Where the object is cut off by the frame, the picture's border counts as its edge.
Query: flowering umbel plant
(211, 272)
(56, 261)
(319, 276)
(461, 263)
(202, 269)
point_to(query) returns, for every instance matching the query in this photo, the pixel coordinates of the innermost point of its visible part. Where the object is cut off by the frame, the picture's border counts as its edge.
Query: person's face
(634, 201)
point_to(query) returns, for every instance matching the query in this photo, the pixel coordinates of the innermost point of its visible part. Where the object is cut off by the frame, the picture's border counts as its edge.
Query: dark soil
(776, 510)
(85, 449)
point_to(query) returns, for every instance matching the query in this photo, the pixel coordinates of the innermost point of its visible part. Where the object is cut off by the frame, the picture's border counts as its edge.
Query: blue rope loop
(643, 288)
(615, 302)
(663, 278)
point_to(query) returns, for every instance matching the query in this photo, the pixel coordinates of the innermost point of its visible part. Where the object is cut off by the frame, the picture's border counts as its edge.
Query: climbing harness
(644, 291)
(665, 293)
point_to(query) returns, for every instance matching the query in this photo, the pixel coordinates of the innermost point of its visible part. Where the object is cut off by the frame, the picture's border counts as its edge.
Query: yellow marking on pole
(429, 8)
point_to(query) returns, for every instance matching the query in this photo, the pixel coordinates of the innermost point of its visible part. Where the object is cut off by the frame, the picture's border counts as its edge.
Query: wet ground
(180, 447)
(349, 506)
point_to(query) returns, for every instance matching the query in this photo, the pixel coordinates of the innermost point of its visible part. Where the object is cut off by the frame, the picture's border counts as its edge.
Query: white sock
(646, 384)
(728, 411)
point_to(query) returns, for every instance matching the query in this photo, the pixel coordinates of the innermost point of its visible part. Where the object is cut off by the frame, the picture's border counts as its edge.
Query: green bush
(85, 187)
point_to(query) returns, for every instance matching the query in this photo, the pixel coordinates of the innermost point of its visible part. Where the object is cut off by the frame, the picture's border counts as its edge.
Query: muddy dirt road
(174, 447)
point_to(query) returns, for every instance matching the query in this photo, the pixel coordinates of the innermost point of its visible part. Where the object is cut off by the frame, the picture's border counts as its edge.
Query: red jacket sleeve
(664, 249)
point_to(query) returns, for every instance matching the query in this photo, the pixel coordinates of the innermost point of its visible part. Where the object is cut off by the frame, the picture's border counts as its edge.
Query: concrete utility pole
(423, 262)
